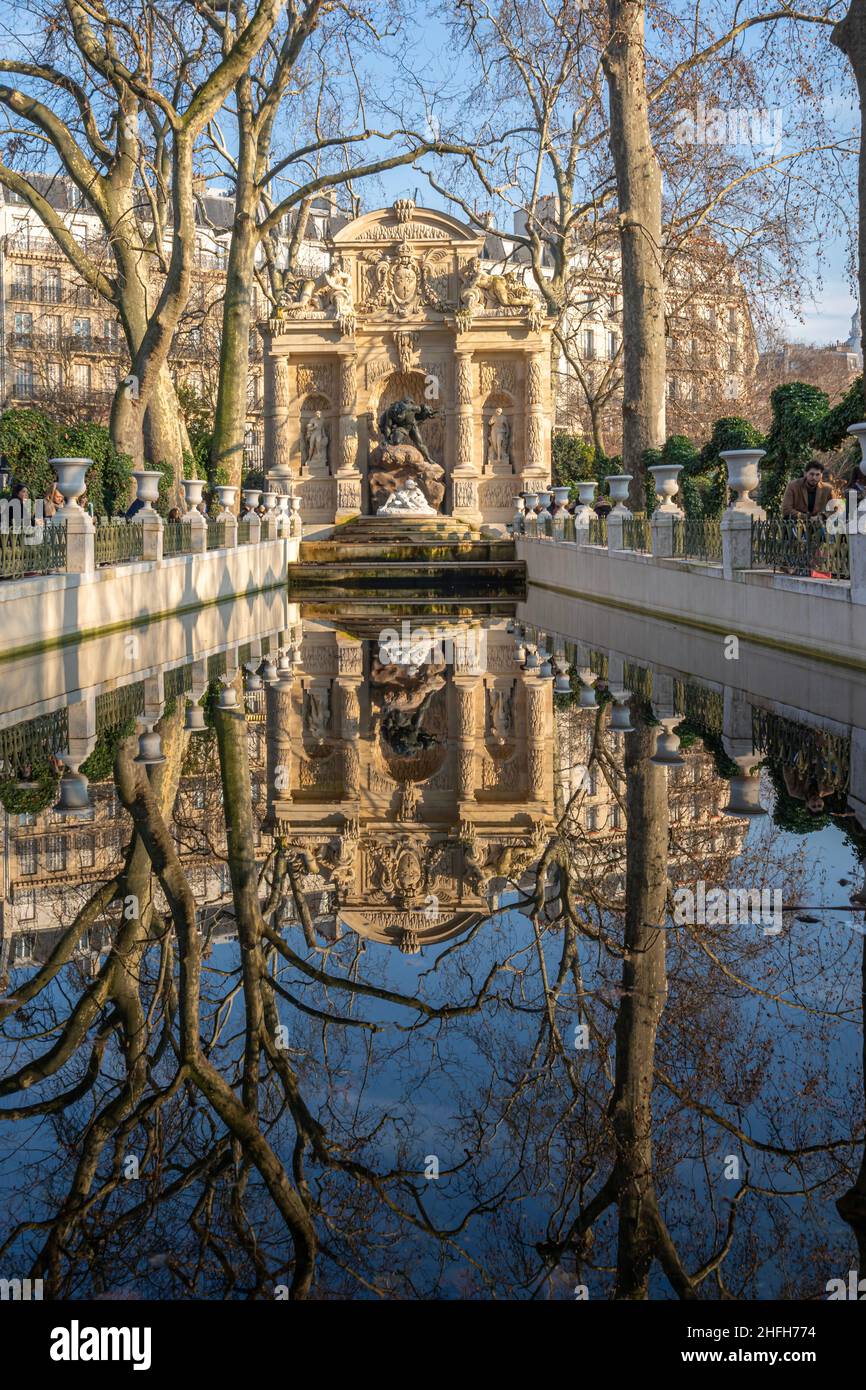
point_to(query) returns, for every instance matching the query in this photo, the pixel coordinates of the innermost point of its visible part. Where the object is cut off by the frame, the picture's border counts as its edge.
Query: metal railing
(116, 541)
(117, 707)
(701, 705)
(244, 536)
(800, 546)
(815, 757)
(215, 533)
(176, 538)
(33, 741)
(597, 530)
(39, 550)
(636, 532)
(698, 538)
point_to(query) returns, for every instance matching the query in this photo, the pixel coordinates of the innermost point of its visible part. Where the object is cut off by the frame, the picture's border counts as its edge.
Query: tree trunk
(644, 989)
(849, 35)
(230, 418)
(638, 180)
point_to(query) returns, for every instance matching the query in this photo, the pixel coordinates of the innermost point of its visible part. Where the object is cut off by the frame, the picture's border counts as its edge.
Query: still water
(460, 956)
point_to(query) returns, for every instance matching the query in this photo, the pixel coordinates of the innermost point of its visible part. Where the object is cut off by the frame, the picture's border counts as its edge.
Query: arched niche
(398, 386)
(317, 407)
(498, 400)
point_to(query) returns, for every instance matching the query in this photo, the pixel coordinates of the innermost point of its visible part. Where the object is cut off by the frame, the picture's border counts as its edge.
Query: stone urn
(194, 717)
(269, 500)
(150, 752)
(147, 487)
(859, 433)
(228, 698)
(586, 676)
(618, 485)
(620, 715)
(744, 790)
(519, 519)
(252, 497)
(561, 685)
(193, 489)
(560, 500)
(583, 512)
(667, 751)
(666, 477)
(73, 801)
(71, 480)
(227, 495)
(743, 477)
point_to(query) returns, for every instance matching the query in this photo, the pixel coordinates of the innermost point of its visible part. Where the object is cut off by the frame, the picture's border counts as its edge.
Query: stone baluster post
(743, 477)
(278, 742)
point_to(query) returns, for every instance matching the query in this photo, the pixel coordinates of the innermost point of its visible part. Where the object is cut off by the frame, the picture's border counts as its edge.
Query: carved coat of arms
(398, 282)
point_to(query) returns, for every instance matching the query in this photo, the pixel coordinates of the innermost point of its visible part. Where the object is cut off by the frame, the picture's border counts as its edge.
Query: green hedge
(29, 438)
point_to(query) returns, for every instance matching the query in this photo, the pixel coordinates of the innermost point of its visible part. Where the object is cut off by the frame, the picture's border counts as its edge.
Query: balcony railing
(41, 550)
(117, 542)
(698, 538)
(800, 546)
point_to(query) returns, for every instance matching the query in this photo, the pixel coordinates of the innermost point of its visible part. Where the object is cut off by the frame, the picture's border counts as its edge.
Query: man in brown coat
(809, 495)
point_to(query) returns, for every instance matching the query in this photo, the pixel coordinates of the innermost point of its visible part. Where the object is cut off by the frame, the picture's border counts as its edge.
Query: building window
(112, 331)
(589, 343)
(26, 903)
(52, 375)
(24, 329)
(27, 860)
(52, 324)
(24, 379)
(86, 857)
(81, 328)
(55, 853)
(81, 376)
(732, 320)
(612, 344)
(51, 287)
(22, 286)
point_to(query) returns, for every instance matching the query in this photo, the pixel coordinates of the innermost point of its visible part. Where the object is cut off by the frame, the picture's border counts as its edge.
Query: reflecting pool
(404, 956)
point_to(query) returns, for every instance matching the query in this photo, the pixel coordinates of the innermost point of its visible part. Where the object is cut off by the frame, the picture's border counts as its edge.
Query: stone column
(465, 473)
(350, 668)
(278, 440)
(278, 744)
(535, 470)
(345, 465)
(537, 695)
(464, 691)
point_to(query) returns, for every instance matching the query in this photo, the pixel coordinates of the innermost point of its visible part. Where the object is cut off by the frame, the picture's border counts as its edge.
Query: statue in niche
(501, 708)
(316, 438)
(317, 712)
(399, 424)
(499, 439)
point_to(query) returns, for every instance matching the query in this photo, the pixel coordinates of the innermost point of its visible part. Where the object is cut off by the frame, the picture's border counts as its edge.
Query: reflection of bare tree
(278, 1093)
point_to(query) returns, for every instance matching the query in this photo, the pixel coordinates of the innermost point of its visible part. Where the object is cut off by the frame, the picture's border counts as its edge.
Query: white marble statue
(317, 443)
(499, 439)
(407, 500)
